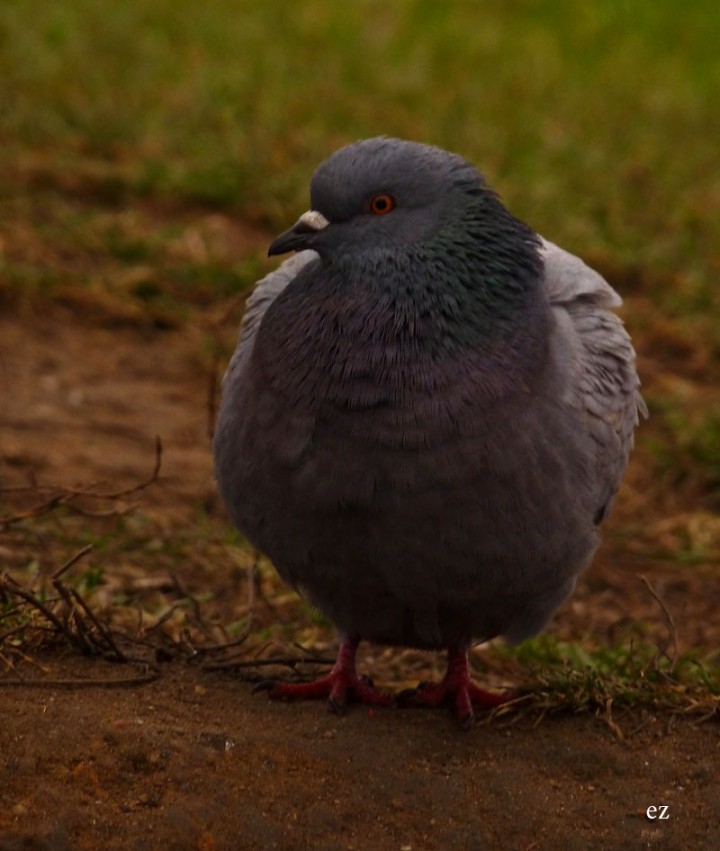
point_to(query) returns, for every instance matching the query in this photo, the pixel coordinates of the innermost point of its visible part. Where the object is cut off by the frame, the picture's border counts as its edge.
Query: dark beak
(301, 235)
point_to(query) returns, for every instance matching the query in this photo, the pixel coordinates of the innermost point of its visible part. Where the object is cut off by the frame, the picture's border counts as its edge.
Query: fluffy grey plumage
(430, 408)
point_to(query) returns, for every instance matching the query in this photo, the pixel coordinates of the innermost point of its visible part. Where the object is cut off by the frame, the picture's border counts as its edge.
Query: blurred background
(598, 125)
(148, 153)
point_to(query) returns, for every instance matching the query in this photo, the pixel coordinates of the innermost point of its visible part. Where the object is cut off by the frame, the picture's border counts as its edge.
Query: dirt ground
(191, 759)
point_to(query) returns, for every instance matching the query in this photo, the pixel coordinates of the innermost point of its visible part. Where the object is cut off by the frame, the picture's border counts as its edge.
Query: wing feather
(266, 291)
(605, 382)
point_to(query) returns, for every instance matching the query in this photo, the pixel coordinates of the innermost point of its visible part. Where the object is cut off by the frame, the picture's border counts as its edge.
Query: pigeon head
(388, 195)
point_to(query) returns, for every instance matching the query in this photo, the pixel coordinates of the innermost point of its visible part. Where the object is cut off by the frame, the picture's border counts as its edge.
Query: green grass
(691, 440)
(598, 123)
(569, 676)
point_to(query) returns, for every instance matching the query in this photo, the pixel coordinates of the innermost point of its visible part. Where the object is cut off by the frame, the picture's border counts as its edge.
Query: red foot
(340, 686)
(457, 688)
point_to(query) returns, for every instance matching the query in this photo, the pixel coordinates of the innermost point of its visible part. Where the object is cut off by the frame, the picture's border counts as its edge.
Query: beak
(301, 235)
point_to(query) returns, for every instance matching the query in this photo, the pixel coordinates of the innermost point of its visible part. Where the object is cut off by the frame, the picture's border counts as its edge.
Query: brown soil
(193, 760)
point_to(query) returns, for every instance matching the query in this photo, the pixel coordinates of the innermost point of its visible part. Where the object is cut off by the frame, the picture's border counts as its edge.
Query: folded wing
(606, 387)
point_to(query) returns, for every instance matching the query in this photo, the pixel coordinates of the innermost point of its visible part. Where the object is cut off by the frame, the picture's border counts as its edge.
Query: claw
(263, 685)
(403, 698)
(457, 688)
(467, 722)
(335, 706)
(339, 687)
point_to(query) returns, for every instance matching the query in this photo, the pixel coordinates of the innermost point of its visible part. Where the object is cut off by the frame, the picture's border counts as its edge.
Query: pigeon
(426, 419)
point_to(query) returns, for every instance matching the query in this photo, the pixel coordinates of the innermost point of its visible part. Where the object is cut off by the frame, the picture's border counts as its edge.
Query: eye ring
(382, 204)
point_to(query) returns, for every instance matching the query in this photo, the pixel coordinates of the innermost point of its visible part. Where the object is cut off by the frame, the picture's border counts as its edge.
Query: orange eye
(382, 204)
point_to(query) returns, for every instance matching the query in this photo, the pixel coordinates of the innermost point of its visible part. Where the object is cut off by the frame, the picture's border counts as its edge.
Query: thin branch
(227, 645)
(31, 599)
(110, 682)
(35, 511)
(67, 496)
(164, 617)
(70, 562)
(669, 622)
(212, 393)
(287, 661)
(102, 630)
(141, 485)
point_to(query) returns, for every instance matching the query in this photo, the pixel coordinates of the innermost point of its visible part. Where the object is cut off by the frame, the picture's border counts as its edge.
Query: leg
(341, 685)
(457, 688)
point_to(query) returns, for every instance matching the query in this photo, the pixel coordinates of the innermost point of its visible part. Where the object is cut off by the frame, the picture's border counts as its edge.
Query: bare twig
(76, 622)
(212, 393)
(73, 627)
(35, 511)
(195, 605)
(669, 622)
(109, 682)
(164, 618)
(143, 484)
(10, 586)
(107, 636)
(611, 722)
(70, 562)
(68, 495)
(287, 661)
(227, 645)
